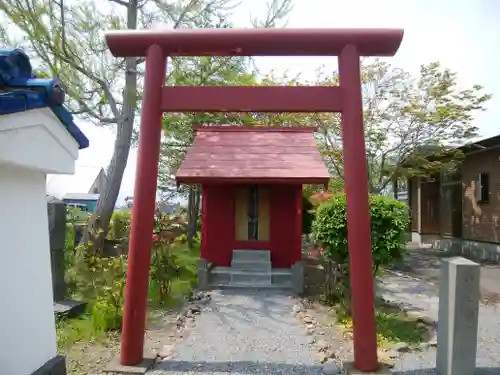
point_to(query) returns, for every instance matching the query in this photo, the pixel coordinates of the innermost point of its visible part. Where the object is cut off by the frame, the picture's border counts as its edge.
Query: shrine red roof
(253, 154)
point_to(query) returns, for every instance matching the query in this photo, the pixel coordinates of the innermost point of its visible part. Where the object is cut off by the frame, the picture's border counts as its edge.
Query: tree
(179, 133)
(412, 125)
(66, 38)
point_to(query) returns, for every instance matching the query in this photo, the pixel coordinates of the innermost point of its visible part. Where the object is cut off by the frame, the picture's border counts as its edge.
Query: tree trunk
(99, 222)
(196, 210)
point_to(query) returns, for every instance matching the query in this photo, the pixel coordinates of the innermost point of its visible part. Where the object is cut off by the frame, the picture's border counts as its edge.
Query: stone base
(204, 268)
(54, 366)
(349, 369)
(298, 277)
(478, 251)
(141, 368)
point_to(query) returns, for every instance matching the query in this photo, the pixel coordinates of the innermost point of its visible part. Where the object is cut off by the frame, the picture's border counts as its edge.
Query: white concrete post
(458, 316)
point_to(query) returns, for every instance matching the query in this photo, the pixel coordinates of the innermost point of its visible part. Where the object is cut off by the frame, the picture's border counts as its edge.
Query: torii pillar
(349, 45)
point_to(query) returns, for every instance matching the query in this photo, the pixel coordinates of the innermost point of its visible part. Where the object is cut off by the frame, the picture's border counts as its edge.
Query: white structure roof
(81, 196)
(80, 182)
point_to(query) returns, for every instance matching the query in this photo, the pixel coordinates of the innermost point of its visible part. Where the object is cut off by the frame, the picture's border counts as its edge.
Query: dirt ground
(92, 358)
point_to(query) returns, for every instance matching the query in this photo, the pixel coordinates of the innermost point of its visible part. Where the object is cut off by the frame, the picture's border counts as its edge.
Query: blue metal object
(20, 91)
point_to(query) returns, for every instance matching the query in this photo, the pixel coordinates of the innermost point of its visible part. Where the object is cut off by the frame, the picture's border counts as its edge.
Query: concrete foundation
(479, 251)
(116, 367)
(298, 277)
(203, 270)
(349, 369)
(458, 316)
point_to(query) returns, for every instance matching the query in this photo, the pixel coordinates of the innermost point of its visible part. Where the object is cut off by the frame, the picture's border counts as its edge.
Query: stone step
(228, 277)
(252, 255)
(283, 287)
(251, 278)
(251, 265)
(281, 277)
(219, 275)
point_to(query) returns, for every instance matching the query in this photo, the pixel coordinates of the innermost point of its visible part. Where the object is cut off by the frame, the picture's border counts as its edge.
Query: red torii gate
(349, 45)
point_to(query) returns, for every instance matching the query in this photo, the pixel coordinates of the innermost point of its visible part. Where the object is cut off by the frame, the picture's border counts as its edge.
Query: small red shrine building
(251, 180)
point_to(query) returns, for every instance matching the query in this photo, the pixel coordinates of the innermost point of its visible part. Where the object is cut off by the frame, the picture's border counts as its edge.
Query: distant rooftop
(81, 196)
(80, 182)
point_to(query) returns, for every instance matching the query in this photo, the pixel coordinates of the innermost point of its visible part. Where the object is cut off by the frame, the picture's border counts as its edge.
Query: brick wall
(481, 221)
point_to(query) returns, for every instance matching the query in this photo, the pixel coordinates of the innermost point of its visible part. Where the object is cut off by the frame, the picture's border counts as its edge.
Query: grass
(72, 331)
(393, 326)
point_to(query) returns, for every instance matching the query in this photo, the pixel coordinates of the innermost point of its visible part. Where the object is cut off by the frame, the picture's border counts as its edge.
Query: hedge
(389, 224)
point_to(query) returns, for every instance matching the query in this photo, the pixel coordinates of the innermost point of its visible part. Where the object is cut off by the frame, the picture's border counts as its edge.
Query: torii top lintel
(254, 42)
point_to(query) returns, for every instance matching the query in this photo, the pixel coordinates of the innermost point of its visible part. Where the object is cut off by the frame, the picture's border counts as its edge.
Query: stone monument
(458, 316)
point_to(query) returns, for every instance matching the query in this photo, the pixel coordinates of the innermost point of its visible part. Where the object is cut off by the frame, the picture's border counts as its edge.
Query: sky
(458, 33)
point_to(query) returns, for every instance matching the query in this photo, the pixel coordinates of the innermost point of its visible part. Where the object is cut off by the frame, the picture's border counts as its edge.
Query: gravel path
(420, 295)
(243, 332)
(425, 263)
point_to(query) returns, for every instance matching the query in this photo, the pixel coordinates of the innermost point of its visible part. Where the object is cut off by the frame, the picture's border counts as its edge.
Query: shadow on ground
(432, 371)
(266, 304)
(410, 295)
(423, 263)
(237, 367)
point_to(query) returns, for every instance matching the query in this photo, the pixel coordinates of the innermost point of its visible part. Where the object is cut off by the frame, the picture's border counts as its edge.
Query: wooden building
(461, 210)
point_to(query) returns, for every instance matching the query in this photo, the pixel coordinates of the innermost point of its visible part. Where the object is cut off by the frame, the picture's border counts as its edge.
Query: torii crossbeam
(349, 45)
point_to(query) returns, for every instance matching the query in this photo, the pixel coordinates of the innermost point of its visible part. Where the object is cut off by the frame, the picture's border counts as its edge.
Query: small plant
(173, 273)
(100, 280)
(119, 227)
(105, 315)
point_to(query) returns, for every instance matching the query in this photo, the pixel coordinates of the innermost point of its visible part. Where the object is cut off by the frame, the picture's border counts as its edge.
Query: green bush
(389, 223)
(119, 226)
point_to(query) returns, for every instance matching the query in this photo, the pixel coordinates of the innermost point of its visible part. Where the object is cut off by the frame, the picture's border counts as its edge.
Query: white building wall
(27, 326)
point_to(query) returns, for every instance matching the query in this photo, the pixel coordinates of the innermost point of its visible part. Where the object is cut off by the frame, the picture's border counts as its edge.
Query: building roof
(20, 91)
(253, 154)
(433, 152)
(79, 182)
(81, 196)
(481, 144)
